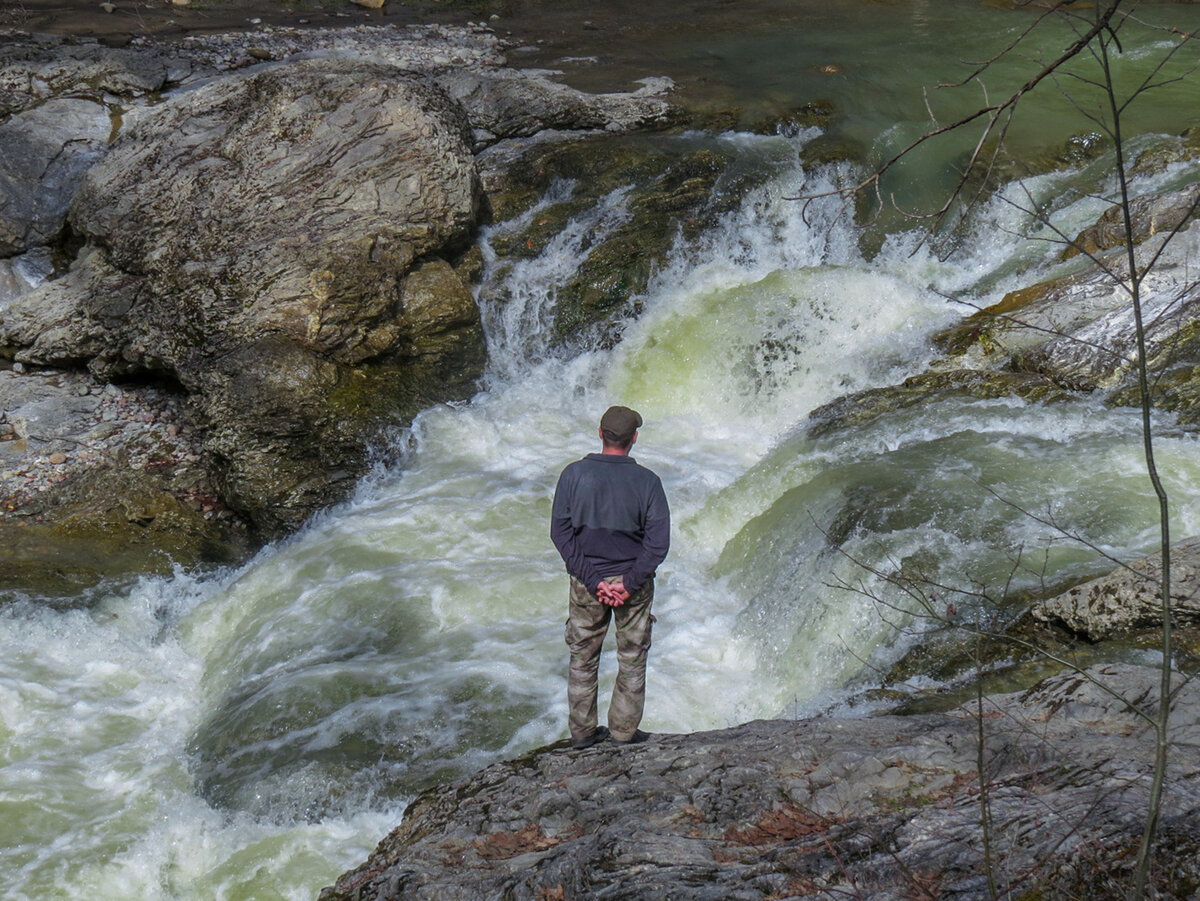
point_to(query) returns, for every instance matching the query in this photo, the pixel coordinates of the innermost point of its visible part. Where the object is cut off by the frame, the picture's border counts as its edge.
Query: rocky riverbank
(882, 807)
(268, 233)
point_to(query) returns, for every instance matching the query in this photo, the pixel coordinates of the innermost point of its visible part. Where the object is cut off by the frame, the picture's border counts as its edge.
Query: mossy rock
(979, 329)
(1149, 216)
(673, 191)
(828, 149)
(106, 524)
(1178, 150)
(855, 410)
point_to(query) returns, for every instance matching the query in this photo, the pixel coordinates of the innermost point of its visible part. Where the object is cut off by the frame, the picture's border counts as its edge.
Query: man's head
(618, 427)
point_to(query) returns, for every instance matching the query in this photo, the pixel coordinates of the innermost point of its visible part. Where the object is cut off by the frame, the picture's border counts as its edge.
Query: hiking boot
(638, 737)
(587, 741)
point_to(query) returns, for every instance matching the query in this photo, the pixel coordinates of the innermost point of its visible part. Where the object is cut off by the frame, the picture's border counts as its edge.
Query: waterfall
(256, 730)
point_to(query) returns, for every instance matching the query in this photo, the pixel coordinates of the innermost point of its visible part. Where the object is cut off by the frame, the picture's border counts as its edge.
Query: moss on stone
(857, 409)
(1178, 150)
(106, 524)
(978, 328)
(672, 193)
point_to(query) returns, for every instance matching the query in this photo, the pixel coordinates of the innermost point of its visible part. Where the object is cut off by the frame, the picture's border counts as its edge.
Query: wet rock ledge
(262, 240)
(882, 807)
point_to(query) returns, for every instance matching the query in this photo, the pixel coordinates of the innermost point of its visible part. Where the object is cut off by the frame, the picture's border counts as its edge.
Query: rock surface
(47, 150)
(246, 240)
(884, 807)
(1078, 330)
(277, 241)
(1131, 597)
(102, 480)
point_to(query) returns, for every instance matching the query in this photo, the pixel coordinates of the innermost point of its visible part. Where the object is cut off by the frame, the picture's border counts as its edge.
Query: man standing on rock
(612, 526)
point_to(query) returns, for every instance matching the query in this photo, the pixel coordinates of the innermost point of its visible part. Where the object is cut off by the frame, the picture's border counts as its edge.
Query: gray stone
(21, 274)
(34, 69)
(1131, 597)
(507, 103)
(717, 814)
(47, 150)
(264, 222)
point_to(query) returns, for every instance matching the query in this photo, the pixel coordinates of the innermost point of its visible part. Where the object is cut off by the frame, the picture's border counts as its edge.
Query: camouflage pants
(587, 624)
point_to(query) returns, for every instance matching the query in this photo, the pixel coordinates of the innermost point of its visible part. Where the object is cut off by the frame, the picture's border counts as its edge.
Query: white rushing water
(253, 733)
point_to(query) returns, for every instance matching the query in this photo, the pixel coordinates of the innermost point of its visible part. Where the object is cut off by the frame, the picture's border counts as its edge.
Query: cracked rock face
(47, 151)
(248, 240)
(879, 807)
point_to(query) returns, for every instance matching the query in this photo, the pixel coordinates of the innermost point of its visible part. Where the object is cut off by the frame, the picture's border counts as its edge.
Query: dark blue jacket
(610, 518)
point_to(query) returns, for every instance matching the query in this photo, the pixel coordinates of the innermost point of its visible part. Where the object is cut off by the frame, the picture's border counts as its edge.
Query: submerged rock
(856, 409)
(884, 807)
(109, 522)
(98, 481)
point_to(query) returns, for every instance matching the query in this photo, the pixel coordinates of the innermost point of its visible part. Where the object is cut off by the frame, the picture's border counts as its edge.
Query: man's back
(617, 515)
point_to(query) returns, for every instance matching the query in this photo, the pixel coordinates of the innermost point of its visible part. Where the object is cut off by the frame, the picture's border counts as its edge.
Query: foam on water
(97, 799)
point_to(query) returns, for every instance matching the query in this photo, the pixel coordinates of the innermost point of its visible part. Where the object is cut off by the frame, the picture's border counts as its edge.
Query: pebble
(58, 459)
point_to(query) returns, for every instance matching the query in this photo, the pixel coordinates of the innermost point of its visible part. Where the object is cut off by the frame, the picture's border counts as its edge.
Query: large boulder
(878, 807)
(280, 241)
(249, 240)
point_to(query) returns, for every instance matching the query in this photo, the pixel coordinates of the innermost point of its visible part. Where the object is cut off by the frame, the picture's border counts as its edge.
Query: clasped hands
(614, 594)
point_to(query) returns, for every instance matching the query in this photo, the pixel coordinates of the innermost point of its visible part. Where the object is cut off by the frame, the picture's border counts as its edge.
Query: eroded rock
(883, 807)
(1131, 597)
(249, 240)
(47, 151)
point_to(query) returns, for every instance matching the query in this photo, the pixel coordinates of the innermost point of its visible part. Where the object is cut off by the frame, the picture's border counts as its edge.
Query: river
(251, 733)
